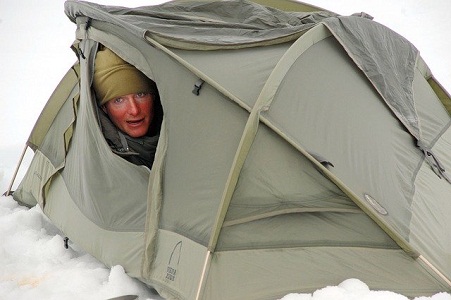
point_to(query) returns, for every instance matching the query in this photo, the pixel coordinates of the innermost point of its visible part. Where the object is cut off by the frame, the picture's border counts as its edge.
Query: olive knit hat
(114, 77)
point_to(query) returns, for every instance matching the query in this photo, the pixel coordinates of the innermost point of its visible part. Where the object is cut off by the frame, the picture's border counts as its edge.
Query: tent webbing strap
(289, 211)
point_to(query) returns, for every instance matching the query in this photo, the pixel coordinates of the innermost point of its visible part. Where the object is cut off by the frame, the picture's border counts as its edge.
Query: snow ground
(35, 54)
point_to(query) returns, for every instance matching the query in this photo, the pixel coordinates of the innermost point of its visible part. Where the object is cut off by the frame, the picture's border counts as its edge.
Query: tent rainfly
(298, 148)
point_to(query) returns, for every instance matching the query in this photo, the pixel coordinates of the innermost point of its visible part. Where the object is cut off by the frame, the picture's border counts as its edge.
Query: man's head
(124, 93)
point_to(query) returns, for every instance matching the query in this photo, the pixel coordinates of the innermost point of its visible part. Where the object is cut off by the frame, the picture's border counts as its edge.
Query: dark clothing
(139, 151)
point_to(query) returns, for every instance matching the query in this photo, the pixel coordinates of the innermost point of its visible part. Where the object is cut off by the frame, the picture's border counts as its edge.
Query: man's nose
(133, 107)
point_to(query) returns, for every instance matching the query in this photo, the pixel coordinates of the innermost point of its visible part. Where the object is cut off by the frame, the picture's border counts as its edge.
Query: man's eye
(141, 95)
(118, 100)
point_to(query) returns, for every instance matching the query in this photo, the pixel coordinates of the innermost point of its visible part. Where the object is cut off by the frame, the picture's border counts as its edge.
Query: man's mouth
(135, 122)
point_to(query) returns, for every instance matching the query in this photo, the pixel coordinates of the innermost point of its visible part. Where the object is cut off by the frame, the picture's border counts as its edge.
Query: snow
(35, 264)
(35, 54)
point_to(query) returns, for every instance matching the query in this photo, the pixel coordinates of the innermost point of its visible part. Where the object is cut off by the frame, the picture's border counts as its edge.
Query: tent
(299, 148)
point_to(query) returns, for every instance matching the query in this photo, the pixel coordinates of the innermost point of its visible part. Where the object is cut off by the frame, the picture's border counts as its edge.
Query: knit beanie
(114, 77)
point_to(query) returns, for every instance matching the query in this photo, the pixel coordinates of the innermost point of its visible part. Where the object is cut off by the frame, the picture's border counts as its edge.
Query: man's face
(131, 113)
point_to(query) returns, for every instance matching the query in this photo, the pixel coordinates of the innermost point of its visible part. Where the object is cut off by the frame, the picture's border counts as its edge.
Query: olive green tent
(298, 148)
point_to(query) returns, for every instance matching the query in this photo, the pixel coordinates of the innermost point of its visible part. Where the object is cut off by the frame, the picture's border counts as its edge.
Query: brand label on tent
(379, 208)
(174, 260)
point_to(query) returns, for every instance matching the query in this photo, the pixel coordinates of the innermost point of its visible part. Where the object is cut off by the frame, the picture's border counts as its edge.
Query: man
(130, 113)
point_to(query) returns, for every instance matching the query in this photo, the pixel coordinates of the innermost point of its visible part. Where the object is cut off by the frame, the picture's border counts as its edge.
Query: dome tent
(240, 183)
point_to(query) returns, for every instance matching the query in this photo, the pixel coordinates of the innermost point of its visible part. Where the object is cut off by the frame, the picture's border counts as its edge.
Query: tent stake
(8, 191)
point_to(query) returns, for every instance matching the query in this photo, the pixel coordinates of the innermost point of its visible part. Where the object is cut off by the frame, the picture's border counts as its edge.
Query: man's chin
(136, 132)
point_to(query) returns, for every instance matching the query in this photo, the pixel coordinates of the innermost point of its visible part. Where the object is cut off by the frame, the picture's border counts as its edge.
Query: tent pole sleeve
(8, 191)
(263, 102)
(203, 275)
(244, 147)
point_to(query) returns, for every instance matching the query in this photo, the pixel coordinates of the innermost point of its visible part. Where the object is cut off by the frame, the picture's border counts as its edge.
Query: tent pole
(433, 268)
(202, 277)
(8, 191)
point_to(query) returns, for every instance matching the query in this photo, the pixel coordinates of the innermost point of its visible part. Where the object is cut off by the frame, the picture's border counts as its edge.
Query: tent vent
(375, 205)
(198, 86)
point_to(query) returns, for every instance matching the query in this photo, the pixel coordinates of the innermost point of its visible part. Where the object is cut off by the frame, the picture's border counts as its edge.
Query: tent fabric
(194, 24)
(385, 74)
(253, 24)
(69, 84)
(297, 150)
